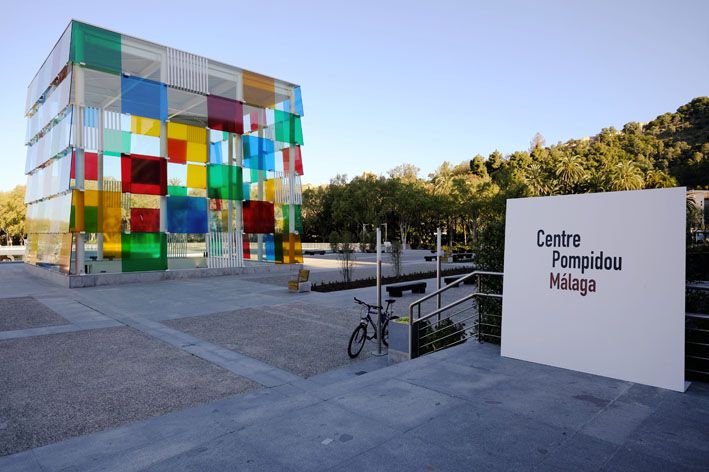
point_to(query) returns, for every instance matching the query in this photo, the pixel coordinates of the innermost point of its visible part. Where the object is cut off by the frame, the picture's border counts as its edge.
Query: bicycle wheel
(385, 333)
(357, 340)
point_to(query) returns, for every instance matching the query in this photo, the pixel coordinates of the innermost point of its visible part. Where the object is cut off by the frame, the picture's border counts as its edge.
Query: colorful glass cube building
(142, 157)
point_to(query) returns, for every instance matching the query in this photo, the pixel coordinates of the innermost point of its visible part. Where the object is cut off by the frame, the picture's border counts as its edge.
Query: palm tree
(442, 179)
(625, 175)
(570, 171)
(537, 180)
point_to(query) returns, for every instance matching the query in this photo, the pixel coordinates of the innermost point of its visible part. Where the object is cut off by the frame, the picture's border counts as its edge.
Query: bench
(397, 290)
(312, 252)
(463, 257)
(301, 284)
(451, 279)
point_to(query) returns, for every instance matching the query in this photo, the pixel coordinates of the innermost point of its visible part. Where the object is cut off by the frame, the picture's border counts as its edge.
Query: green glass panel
(278, 247)
(97, 48)
(143, 251)
(224, 182)
(91, 219)
(298, 219)
(253, 175)
(288, 128)
(116, 142)
(176, 191)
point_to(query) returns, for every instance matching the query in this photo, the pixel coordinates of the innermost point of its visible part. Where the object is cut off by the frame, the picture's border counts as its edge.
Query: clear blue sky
(388, 82)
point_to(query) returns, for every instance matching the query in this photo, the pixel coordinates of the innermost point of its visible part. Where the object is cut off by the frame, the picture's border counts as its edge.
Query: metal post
(379, 291)
(230, 207)
(79, 159)
(291, 193)
(99, 235)
(259, 238)
(439, 252)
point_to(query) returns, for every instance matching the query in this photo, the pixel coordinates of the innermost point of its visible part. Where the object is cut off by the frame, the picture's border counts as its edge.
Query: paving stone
(398, 404)
(26, 312)
(71, 384)
(315, 437)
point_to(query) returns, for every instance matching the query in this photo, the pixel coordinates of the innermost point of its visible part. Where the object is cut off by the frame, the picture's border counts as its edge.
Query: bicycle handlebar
(357, 300)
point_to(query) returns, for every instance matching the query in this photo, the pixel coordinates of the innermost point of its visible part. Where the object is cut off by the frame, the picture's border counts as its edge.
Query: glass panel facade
(148, 157)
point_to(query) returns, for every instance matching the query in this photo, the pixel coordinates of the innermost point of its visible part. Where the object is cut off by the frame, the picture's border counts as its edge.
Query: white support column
(239, 161)
(260, 251)
(291, 177)
(230, 207)
(163, 198)
(78, 75)
(291, 190)
(99, 176)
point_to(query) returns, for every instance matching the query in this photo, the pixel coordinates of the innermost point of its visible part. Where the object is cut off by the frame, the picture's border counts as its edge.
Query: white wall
(632, 326)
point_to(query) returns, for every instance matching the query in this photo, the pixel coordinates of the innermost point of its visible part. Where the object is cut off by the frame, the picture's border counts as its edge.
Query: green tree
(626, 175)
(570, 172)
(12, 215)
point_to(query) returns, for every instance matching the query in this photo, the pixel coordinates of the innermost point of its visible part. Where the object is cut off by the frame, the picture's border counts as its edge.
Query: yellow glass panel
(196, 176)
(278, 217)
(176, 131)
(112, 245)
(65, 253)
(77, 203)
(292, 249)
(146, 126)
(91, 198)
(195, 134)
(110, 218)
(138, 200)
(259, 90)
(196, 152)
(269, 190)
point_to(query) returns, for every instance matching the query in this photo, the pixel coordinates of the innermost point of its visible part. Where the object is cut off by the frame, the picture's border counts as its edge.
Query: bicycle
(359, 335)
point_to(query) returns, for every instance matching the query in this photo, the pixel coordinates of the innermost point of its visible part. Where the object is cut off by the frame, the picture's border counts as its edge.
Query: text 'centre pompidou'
(143, 157)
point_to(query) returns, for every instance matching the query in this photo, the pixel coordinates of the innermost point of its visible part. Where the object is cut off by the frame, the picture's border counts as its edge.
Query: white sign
(595, 283)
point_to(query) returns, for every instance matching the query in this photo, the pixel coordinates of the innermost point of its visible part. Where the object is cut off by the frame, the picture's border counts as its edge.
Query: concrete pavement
(162, 388)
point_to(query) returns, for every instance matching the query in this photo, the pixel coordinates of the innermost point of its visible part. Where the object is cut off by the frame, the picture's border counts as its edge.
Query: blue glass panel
(247, 191)
(215, 153)
(270, 247)
(298, 102)
(259, 153)
(186, 214)
(143, 97)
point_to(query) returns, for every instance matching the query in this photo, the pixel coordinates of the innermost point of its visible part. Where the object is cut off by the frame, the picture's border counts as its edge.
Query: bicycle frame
(372, 309)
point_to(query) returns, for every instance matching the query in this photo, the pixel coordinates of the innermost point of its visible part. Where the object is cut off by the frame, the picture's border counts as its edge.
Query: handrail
(438, 311)
(450, 285)
(456, 303)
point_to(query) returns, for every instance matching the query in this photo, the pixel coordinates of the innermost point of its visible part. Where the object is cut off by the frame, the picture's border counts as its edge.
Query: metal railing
(449, 327)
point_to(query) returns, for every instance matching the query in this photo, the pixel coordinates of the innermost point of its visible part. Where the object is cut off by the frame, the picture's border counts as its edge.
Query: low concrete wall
(94, 280)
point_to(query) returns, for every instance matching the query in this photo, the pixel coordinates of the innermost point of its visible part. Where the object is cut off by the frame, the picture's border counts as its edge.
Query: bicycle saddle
(390, 300)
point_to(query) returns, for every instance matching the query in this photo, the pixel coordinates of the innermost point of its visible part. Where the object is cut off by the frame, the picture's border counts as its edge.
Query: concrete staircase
(697, 347)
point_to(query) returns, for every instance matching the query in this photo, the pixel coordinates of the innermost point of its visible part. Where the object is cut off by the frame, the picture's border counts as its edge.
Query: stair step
(697, 358)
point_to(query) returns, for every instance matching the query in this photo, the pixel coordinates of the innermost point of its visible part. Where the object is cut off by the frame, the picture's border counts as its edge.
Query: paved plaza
(235, 373)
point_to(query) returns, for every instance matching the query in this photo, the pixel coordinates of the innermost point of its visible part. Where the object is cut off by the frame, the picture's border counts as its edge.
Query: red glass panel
(258, 217)
(247, 247)
(144, 220)
(225, 115)
(177, 150)
(298, 160)
(144, 174)
(90, 165)
(253, 118)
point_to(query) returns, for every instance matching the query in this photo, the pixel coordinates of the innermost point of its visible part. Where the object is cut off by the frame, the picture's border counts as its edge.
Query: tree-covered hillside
(469, 197)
